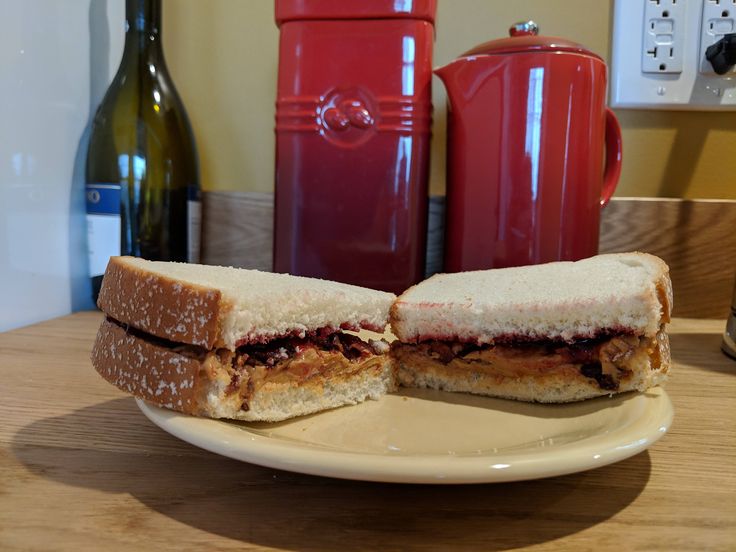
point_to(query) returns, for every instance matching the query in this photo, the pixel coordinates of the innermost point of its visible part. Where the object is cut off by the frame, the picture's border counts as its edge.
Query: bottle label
(194, 229)
(103, 225)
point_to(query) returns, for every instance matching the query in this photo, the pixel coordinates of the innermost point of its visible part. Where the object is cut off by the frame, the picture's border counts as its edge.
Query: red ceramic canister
(353, 118)
(528, 132)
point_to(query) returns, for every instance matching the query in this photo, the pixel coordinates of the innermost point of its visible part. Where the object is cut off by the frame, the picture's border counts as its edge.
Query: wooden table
(82, 469)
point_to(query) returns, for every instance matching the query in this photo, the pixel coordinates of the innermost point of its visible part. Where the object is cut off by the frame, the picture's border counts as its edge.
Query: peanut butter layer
(603, 360)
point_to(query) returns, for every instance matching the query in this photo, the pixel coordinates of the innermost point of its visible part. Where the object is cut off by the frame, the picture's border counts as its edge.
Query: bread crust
(150, 371)
(195, 382)
(663, 286)
(162, 306)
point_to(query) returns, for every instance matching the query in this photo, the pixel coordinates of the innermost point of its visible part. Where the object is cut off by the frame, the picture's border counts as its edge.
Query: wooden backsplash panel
(237, 229)
(697, 238)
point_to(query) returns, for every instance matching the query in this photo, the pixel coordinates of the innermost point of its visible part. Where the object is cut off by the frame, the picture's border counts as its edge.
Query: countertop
(81, 468)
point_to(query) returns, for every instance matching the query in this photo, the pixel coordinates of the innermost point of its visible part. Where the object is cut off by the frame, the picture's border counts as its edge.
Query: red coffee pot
(527, 132)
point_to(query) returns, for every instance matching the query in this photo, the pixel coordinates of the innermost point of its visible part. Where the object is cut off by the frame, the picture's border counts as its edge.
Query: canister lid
(524, 37)
(294, 10)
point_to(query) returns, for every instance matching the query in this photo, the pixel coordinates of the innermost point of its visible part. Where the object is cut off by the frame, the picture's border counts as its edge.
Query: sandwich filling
(293, 361)
(605, 362)
(229, 380)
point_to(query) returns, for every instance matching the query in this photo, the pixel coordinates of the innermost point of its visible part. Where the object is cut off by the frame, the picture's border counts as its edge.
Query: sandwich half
(242, 344)
(557, 332)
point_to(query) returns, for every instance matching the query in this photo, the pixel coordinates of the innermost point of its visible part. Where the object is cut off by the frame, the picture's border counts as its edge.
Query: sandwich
(557, 332)
(242, 344)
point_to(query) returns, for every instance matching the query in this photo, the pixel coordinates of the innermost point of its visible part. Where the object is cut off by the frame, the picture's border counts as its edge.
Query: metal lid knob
(524, 28)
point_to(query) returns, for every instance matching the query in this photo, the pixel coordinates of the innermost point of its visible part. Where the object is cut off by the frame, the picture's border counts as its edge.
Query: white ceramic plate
(424, 436)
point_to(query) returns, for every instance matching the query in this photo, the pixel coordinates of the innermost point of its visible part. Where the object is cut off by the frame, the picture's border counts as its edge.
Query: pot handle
(614, 148)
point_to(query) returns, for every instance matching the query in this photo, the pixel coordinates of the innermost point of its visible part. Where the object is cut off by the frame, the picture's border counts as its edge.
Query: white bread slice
(614, 293)
(198, 383)
(215, 306)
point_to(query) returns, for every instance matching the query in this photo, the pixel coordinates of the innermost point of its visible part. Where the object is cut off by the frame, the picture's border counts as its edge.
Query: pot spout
(448, 75)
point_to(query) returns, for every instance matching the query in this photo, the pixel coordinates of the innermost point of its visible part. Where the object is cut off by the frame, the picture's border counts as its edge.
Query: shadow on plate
(97, 448)
(506, 406)
(533, 410)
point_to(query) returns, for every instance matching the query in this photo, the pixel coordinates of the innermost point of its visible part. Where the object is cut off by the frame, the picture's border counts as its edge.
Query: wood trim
(237, 229)
(697, 238)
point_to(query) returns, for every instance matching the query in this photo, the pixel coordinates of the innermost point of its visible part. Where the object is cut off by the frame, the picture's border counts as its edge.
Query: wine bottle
(142, 174)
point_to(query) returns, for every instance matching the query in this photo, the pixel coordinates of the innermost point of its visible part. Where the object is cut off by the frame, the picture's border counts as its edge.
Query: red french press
(528, 131)
(353, 119)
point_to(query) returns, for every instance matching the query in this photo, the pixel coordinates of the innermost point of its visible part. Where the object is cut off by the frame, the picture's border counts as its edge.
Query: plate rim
(273, 452)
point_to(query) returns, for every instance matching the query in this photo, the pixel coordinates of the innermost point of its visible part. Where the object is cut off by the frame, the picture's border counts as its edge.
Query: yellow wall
(223, 57)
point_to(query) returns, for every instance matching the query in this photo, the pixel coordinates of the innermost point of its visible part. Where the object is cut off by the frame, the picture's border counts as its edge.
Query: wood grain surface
(81, 468)
(697, 238)
(237, 229)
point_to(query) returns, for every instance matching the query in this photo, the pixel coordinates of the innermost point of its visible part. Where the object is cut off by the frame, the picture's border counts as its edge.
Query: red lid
(524, 38)
(291, 10)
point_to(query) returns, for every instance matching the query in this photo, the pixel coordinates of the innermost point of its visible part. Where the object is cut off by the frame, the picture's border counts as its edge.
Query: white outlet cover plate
(688, 90)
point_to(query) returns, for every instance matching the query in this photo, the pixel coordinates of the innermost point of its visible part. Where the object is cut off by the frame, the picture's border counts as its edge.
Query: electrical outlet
(658, 54)
(719, 18)
(664, 30)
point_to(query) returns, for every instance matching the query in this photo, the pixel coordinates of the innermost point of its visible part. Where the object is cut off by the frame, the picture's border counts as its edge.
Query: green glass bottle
(142, 174)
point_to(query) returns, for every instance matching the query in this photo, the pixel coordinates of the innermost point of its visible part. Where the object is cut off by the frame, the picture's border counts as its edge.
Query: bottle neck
(143, 28)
